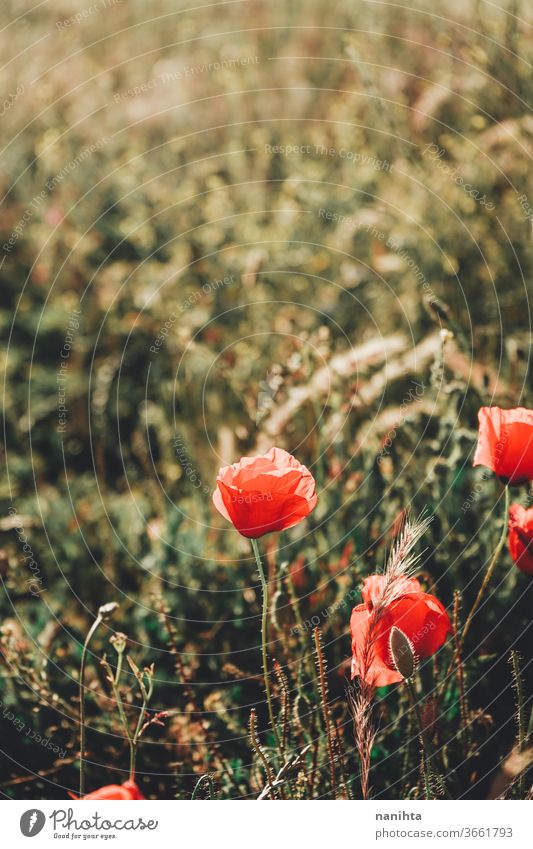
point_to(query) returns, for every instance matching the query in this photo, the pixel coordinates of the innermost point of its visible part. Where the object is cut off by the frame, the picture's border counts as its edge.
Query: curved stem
(204, 779)
(264, 586)
(88, 638)
(147, 695)
(490, 570)
(118, 699)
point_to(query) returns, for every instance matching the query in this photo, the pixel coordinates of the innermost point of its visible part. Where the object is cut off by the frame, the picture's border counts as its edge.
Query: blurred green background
(225, 228)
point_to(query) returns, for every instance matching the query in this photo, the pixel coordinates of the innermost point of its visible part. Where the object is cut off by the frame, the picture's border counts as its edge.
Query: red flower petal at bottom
(125, 792)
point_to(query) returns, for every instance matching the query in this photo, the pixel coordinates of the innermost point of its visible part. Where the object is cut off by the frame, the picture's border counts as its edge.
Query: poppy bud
(107, 610)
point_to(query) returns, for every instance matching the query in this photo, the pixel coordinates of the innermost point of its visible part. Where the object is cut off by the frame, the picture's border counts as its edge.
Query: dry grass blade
(402, 562)
(291, 764)
(323, 688)
(360, 699)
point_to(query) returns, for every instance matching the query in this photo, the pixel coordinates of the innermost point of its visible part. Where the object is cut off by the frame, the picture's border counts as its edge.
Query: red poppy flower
(260, 495)
(521, 537)
(419, 615)
(505, 443)
(126, 792)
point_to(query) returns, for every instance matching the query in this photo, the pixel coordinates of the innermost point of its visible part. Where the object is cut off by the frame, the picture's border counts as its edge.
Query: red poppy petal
(515, 460)
(218, 501)
(489, 431)
(282, 481)
(521, 537)
(109, 792)
(367, 650)
(423, 620)
(307, 486)
(254, 514)
(374, 586)
(281, 458)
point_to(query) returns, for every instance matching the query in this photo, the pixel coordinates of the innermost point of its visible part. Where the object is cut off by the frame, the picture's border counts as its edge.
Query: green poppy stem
(422, 737)
(264, 616)
(104, 612)
(88, 639)
(490, 570)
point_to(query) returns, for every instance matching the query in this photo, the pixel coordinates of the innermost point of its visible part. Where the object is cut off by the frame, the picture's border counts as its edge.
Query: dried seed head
(403, 653)
(107, 610)
(119, 641)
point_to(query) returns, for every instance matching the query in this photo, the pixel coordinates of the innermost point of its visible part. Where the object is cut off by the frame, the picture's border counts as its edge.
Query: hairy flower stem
(490, 570)
(264, 616)
(323, 691)
(520, 714)
(423, 742)
(88, 638)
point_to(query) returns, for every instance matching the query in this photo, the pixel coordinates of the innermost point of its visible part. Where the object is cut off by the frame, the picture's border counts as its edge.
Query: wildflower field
(266, 523)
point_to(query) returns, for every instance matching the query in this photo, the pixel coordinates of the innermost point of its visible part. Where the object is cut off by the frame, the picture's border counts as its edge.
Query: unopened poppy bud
(107, 610)
(403, 653)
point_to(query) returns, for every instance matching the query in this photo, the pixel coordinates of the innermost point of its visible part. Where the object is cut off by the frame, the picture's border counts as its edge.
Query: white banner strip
(332, 824)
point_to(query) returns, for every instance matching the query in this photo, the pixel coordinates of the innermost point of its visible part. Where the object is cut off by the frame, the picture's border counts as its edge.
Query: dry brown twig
(291, 764)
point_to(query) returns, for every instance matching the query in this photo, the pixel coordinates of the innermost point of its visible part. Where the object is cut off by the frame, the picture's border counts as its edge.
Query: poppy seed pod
(419, 616)
(402, 653)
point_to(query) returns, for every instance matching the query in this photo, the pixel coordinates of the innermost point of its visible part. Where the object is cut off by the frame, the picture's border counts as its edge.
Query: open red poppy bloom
(260, 495)
(505, 443)
(419, 615)
(521, 537)
(126, 792)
